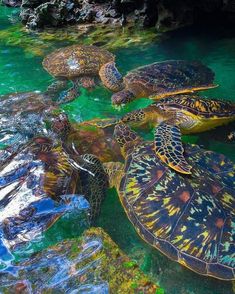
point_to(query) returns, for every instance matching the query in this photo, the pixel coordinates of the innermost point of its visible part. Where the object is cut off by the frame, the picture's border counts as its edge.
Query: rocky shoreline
(162, 14)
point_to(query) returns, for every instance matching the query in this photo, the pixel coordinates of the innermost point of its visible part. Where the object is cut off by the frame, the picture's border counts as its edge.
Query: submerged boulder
(91, 264)
(163, 14)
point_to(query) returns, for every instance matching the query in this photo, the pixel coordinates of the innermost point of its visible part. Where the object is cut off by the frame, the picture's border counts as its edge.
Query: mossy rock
(92, 261)
(109, 37)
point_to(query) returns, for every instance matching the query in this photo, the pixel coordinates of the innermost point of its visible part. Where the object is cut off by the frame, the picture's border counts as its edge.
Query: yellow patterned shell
(202, 107)
(189, 218)
(76, 60)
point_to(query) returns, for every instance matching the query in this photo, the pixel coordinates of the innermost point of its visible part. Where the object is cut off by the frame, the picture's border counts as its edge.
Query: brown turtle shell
(76, 60)
(165, 78)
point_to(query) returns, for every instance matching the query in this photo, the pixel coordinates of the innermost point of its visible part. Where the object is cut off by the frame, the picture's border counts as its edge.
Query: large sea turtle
(188, 113)
(81, 64)
(44, 169)
(193, 114)
(189, 218)
(161, 79)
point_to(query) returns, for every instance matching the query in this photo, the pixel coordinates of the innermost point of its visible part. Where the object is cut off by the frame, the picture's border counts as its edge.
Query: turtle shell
(76, 60)
(165, 78)
(44, 169)
(90, 138)
(20, 103)
(206, 108)
(188, 218)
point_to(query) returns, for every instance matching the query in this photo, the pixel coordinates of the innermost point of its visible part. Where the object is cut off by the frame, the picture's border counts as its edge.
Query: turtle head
(126, 138)
(122, 97)
(111, 77)
(60, 124)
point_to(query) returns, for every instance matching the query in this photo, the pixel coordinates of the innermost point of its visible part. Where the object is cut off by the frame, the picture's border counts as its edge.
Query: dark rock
(12, 3)
(163, 14)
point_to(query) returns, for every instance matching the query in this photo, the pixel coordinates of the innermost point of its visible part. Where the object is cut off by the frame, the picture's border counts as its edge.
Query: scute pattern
(187, 217)
(169, 147)
(76, 60)
(169, 77)
(210, 108)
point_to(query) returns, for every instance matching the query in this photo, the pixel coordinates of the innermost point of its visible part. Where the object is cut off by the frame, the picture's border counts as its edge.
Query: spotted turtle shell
(168, 77)
(189, 218)
(76, 60)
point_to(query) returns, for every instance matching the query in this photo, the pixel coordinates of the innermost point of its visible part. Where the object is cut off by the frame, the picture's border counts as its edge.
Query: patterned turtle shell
(77, 60)
(20, 103)
(188, 218)
(211, 108)
(168, 77)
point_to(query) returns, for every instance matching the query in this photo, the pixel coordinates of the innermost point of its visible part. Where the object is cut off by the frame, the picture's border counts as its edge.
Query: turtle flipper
(71, 93)
(110, 77)
(55, 88)
(169, 147)
(114, 171)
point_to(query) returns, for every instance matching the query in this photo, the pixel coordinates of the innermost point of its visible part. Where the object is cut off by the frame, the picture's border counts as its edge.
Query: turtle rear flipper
(169, 147)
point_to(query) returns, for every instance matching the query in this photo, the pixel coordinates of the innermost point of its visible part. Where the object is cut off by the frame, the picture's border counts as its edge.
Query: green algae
(39, 43)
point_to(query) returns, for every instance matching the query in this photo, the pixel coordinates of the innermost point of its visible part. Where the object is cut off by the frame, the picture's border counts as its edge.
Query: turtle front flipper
(70, 94)
(54, 89)
(111, 77)
(169, 147)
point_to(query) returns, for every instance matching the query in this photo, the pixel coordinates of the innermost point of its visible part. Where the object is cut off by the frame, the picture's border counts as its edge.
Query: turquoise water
(22, 71)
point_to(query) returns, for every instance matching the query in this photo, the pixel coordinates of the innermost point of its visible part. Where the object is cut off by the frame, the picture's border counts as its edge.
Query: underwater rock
(12, 3)
(163, 14)
(55, 13)
(91, 264)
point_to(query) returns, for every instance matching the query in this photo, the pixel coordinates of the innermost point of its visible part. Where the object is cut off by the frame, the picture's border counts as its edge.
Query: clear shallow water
(21, 71)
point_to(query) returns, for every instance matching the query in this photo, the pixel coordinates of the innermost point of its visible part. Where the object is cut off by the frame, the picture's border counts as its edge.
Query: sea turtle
(161, 79)
(188, 113)
(191, 113)
(87, 137)
(84, 137)
(44, 169)
(81, 64)
(189, 218)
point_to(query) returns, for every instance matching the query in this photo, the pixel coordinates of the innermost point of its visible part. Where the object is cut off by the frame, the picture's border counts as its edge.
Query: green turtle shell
(168, 77)
(188, 218)
(77, 60)
(207, 108)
